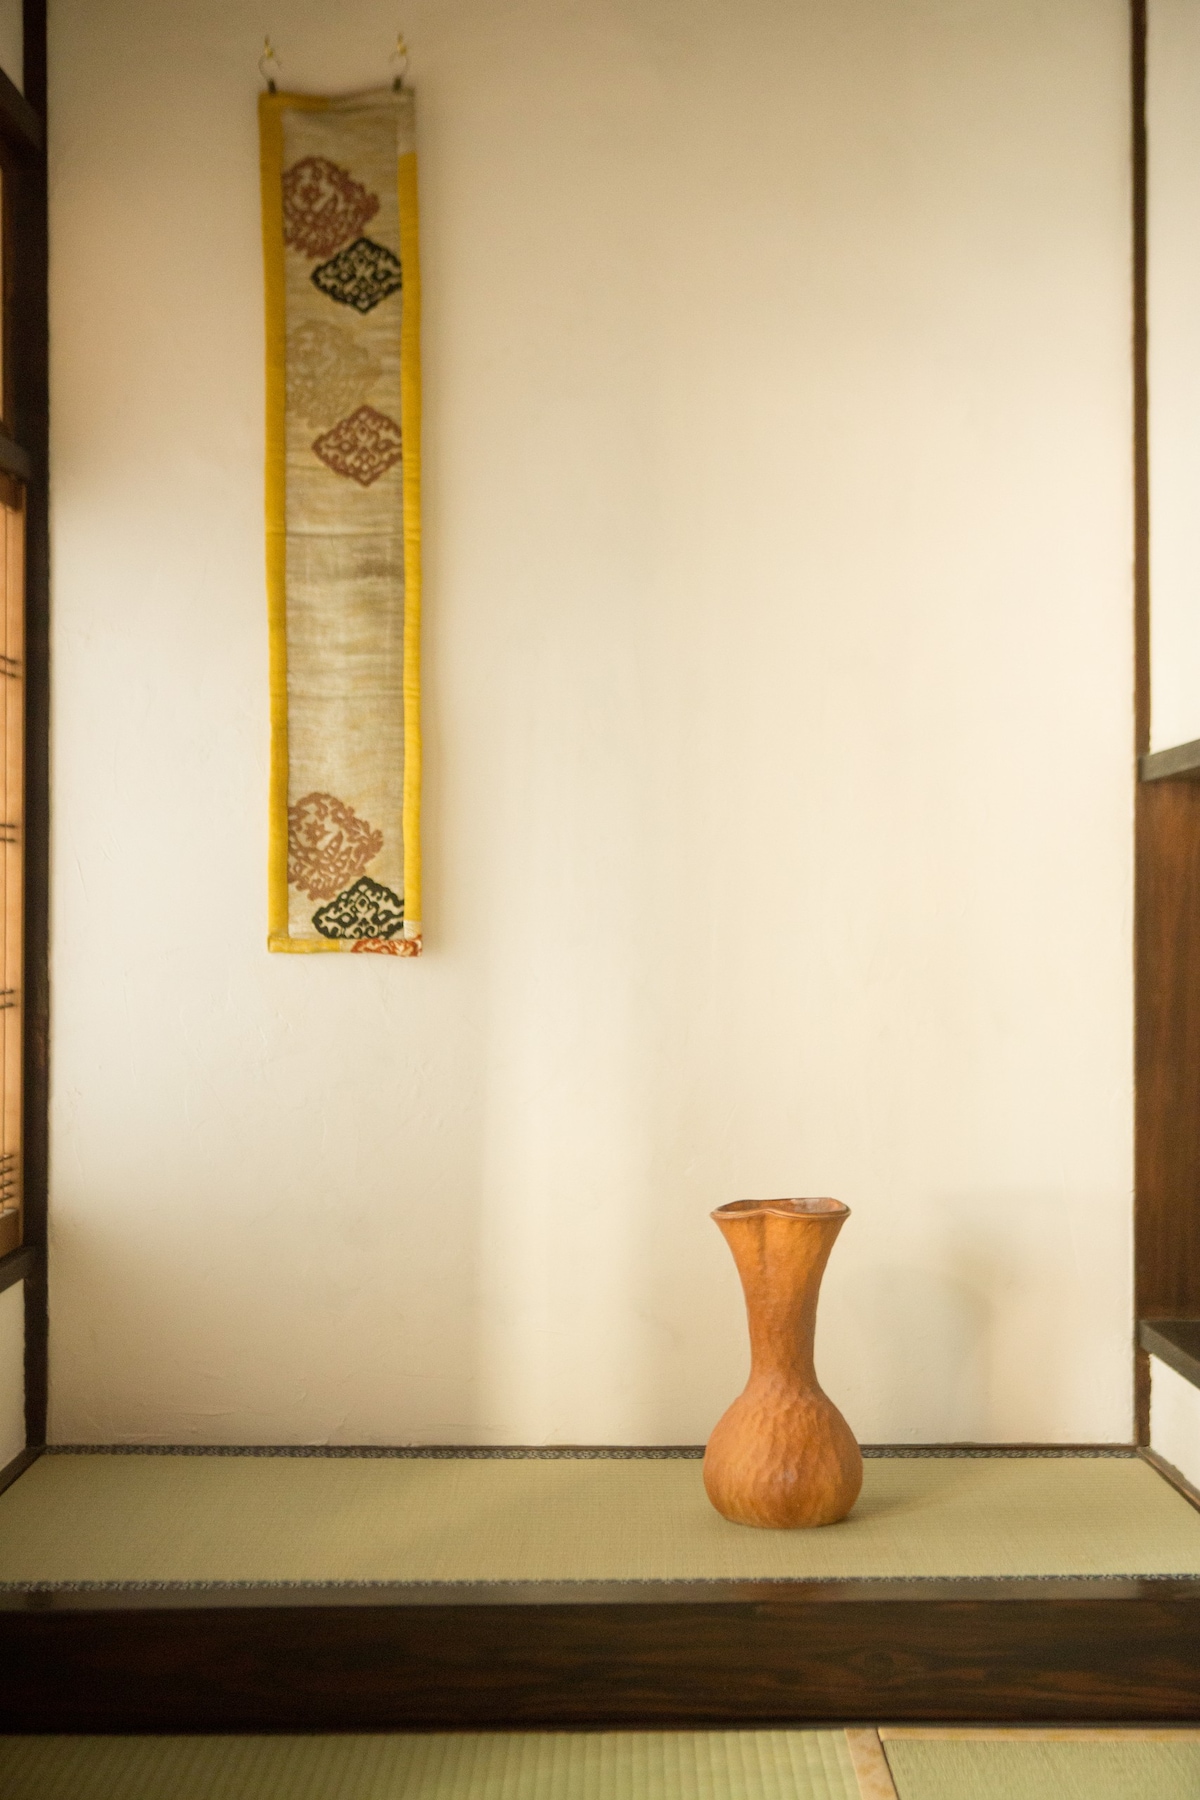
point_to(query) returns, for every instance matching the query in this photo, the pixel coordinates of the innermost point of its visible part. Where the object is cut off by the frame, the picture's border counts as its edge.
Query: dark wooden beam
(649, 1654)
(1167, 1027)
(34, 18)
(20, 125)
(18, 1265)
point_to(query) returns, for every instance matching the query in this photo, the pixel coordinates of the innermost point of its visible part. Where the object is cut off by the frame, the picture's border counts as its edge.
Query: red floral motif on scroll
(323, 206)
(328, 845)
(363, 447)
(386, 947)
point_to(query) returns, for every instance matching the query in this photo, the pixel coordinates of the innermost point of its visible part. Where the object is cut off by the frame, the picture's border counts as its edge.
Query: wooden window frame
(12, 846)
(24, 446)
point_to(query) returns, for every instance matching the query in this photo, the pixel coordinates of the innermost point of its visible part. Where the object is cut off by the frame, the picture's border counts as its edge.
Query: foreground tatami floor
(652, 1765)
(148, 1518)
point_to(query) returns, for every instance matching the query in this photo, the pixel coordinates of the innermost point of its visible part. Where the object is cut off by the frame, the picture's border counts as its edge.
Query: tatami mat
(168, 1518)
(1119, 1769)
(616, 1765)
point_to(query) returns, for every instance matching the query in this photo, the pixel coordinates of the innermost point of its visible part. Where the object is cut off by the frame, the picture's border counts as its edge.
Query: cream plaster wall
(778, 698)
(1173, 304)
(1175, 1420)
(12, 40)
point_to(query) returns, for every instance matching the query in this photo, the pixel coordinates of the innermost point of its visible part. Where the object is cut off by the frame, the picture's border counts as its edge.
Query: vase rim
(815, 1207)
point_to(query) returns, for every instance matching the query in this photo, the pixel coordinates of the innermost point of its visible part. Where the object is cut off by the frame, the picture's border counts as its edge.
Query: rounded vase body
(782, 1455)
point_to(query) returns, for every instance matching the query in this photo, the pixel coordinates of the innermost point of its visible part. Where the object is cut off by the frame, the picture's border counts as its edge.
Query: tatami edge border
(571, 1452)
(1188, 1577)
(399, 1452)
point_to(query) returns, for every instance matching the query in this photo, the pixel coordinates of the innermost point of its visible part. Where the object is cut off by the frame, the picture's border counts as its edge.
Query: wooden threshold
(556, 1655)
(871, 1768)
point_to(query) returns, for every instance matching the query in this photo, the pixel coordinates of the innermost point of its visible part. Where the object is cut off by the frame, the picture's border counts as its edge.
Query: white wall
(1175, 1420)
(778, 696)
(1173, 317)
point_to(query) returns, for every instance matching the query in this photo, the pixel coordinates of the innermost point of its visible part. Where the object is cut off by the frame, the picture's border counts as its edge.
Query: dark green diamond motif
(366, 910)
(361, 275)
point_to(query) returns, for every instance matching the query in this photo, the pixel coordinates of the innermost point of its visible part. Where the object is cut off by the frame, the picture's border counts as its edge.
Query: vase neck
(781, 1261)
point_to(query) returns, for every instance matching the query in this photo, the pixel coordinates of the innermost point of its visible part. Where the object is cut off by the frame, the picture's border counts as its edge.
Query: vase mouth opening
(819, 1207)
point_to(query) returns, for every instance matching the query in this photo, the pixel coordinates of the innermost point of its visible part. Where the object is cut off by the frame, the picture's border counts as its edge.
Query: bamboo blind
(12, 816)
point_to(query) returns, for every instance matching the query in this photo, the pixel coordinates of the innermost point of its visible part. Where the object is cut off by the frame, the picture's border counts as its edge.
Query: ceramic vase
(782, 1455)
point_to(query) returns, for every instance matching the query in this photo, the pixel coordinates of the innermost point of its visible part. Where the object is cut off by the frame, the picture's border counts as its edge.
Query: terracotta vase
(782, 1454)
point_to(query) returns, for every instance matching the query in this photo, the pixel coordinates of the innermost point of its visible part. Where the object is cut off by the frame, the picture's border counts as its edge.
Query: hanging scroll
(343, 521)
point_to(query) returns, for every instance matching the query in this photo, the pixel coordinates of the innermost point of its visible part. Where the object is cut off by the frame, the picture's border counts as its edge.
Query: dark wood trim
(20, 125)
(1167, 1033)
(24, 1459)
(18, 1265)
(1175, 1342)
(30, 427)
(1141, 1397)
(34, 16)
(618, 1656)
(1171, 1476)
(14, 460)
(1141, 605)
(1141, 413)
(1180, 763)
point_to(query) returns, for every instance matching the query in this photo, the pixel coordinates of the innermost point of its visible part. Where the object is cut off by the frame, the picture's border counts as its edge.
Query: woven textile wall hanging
(339, 184)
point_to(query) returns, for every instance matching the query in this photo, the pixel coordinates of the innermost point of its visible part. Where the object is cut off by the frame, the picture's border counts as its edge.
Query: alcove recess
(1167, 1155)
(1167, 793)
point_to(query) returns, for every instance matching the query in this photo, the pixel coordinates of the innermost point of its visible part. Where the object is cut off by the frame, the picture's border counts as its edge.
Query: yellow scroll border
(270, 117)
(410, 435)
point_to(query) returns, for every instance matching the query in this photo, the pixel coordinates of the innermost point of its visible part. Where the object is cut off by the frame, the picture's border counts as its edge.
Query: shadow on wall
(930, 1334)
(174, 1338)
(941, 1347)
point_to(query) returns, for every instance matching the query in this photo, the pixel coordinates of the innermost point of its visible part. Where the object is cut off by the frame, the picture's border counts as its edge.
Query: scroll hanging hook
(400, 55)
(268, 56)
